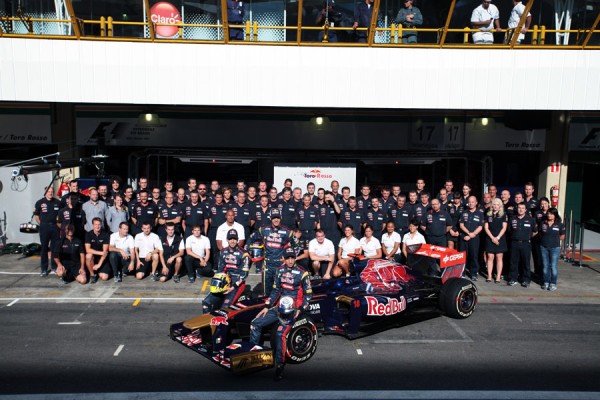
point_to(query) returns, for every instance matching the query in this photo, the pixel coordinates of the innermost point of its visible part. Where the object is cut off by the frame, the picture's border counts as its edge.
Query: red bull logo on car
(393, 306)
(216, 321)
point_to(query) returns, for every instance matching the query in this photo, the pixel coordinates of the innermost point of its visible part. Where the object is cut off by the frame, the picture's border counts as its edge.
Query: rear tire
(301, 341)
(458, 298)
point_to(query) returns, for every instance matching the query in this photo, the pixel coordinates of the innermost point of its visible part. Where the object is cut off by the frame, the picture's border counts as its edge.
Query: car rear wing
(451, 262)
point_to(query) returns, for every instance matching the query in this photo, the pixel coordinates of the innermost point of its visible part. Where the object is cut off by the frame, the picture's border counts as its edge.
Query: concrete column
(557, 152)
(63, 135)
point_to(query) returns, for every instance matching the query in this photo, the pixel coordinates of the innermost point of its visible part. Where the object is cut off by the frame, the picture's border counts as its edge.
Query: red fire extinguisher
(63, 189)
(554, 196)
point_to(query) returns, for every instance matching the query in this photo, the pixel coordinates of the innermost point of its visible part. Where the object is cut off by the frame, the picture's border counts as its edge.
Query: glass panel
(339, 15)
(38, 9)
(268, 13)
(203, 12)
(123, 12)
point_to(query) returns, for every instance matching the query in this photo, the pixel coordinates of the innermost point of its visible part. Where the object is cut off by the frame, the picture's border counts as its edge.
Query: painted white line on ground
(107, 294)
(515, 315)
(96, 299)
(119, 350)
(457, 328)
(420, 341)
(70, 323)
(321, 394)
(359, 351)
(12, 302)
(18, 273)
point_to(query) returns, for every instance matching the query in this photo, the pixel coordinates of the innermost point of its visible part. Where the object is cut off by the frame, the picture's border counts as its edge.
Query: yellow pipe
(109, 25)
(102, 26)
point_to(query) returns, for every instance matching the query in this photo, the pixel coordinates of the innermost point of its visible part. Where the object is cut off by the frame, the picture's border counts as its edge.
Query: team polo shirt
(147, 244)
(122, 243)
(550, 235)
(198, 245)
(324, 249)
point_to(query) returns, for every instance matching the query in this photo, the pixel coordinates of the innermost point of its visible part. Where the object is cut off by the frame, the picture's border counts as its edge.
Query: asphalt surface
(112, 339)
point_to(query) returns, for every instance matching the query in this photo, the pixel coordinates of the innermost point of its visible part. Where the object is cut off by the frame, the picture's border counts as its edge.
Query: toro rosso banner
(321, 175)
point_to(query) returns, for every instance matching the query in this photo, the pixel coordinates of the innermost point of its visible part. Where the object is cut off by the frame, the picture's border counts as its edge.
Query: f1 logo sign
(591, 135)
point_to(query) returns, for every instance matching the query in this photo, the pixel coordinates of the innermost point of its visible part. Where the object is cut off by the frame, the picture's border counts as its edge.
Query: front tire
(458, 298)
(301, 340)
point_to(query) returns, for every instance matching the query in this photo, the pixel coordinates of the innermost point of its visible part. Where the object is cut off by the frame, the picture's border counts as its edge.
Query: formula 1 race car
(379, 291)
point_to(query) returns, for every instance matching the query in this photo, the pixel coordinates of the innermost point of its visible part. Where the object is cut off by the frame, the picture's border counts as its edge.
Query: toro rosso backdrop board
(321, 175)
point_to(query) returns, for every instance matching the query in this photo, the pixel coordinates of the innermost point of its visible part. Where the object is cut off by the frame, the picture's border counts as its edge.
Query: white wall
(17, 201)
(291, 76)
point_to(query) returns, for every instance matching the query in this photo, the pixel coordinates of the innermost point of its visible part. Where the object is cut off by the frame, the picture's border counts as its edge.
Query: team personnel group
(115, 231)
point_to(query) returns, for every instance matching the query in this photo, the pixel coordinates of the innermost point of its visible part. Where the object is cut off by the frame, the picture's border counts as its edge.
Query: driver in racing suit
(275, 238)
(235, 262)
(293, 281)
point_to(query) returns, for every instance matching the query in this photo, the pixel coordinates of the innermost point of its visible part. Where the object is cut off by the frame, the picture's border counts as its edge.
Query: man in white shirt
(121, 250)
(515, 17)
(484, 18)
(226, 227)
(148, 251)
(197, 258)
(322, 254)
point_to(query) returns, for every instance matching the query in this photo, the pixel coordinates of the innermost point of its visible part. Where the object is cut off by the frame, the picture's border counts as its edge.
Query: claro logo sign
(165, 13)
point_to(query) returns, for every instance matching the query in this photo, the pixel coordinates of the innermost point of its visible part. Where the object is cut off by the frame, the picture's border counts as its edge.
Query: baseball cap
(289, 252)
(275, 213)
(232, 234)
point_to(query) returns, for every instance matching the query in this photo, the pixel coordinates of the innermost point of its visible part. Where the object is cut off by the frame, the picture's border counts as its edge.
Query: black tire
(301, 340)
(458, 298)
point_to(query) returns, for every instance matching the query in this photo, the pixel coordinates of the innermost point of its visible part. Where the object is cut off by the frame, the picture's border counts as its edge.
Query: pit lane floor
(110, 341)
(116, 347)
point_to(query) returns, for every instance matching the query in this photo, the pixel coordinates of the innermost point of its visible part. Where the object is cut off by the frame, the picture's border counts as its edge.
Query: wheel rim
(466, 300)
(301, 340)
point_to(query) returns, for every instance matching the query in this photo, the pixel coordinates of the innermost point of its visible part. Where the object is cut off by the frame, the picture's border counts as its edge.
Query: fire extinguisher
(554, 196)
(63, 189)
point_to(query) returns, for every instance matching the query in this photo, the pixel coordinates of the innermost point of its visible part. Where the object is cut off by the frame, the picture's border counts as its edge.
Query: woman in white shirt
(390, 242)
(412, 237)
(370, 245)
(348, 245)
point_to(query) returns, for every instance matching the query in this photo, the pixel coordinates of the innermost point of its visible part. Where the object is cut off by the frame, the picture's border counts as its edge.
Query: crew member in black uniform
(169, 212)
(288, 209)
(471, 224)
(400, 215)
(194, 213)
(436, 224)
(243, 212)
(328, 216)
(69, 257)
(72, 214)
(351, 215)
(495, 227)
(522, 228)
(143, 212)
(173, 250)
(45, 213)
(97, 242)
(374, 216)
(306, 219)
(262, 213)
(455, 210)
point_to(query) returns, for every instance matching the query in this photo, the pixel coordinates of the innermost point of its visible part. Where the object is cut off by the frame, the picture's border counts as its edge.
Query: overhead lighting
(484, 121)
(148, 119)
(319, 120)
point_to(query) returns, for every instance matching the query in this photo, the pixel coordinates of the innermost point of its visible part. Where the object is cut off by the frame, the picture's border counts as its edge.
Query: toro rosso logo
(216, 321)
(393, 306)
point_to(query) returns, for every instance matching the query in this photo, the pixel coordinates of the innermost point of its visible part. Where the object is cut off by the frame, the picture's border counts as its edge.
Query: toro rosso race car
(380, 292)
